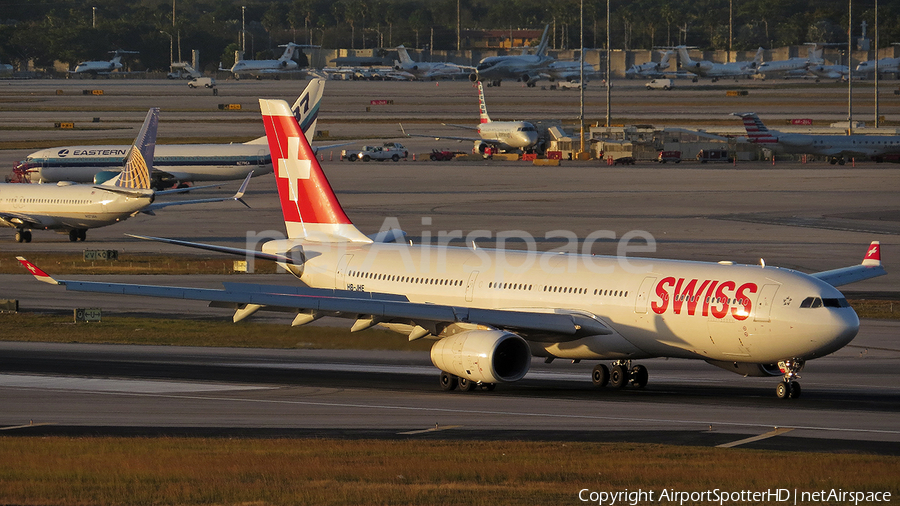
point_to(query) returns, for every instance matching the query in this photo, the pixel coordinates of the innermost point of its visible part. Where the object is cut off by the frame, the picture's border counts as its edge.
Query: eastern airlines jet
(489, 320)
(173, 163)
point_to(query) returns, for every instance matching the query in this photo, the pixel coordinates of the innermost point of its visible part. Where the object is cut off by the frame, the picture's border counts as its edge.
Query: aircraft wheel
(618, 377)
(466, 385)
(488, 386)
(20, 236)
(783, 390)
(448, 381)
(794, 390)
(841, 161)
(73, 235)
(832, 161)
(26, 235)
(639, 376)
(82, 234)
(600, 375)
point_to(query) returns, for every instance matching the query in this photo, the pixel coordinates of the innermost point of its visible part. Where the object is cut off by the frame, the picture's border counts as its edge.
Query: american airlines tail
(756, 129)
(482, 108)
(311, 210)
(139, 163)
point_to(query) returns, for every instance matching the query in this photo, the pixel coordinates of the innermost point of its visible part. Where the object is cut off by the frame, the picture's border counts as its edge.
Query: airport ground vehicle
(713, 155)
(661, 84)
(206, 82)
(625, 160)
(669, 156)
(389, 151)
(441, 155)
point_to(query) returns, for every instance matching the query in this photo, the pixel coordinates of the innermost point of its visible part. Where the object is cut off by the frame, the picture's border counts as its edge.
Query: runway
(808, 217)
(851, 399)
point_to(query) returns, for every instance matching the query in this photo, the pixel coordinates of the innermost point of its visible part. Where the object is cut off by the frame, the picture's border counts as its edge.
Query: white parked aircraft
(498, 135)
(491, 311)
(835, 147)
(565, 70)
(717, 71)
(75, 208)
(173, 163)
(526, 68)
(260, 67)
(428, 70)
(885, 66)
(822, 71)
(102, 67)
(651, 69)
(792, 67)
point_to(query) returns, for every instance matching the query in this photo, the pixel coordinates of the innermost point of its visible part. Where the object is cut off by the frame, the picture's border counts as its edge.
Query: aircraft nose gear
(621, 374)
(789, 388)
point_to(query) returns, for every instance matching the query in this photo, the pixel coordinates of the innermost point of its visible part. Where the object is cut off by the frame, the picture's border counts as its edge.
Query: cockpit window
(814, 302)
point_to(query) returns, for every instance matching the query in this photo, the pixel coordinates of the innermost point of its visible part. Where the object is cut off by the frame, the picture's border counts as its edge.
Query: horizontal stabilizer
(869, 268)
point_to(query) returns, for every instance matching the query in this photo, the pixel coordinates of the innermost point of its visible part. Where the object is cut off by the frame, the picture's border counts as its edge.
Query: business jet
(102, 67)
(260, 67)
(885, 66)
(428, 70)
(497, 135)
(526, 68)
(822, 71)
(174, 164)
(835, 147)
(75, 208)
(651, 69)
(792, 67)
(491, 311)
(565, 70)
(717, 71)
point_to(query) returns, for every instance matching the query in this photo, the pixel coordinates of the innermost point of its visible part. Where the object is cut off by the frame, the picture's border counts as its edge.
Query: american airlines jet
(499, 135)
(835, 147)
(491, 311)
(74, 208)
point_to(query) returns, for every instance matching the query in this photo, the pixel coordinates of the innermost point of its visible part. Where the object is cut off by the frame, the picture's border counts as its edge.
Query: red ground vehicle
(669, 156)
(438, 155)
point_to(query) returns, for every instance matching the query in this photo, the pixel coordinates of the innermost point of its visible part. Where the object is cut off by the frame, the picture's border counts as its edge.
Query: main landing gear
(451, 382)
(621, 374)
(23, 235)
(789, 388)
(77, 234)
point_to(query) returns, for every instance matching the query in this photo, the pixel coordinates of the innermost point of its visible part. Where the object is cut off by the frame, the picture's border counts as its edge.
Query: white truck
(388, 151)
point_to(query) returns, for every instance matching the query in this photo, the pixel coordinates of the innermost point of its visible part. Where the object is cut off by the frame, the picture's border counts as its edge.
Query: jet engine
(480, 147)
(104, 176)
(745, 369)
(487, 356)
(473, 77)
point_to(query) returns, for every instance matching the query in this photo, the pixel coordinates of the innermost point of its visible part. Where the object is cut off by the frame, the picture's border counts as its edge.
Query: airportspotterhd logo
(63, 153)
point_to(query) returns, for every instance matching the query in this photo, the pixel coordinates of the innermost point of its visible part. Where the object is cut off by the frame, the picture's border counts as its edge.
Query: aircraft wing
(366, 308)
(237, 196)
(17, 220)
(869, 268)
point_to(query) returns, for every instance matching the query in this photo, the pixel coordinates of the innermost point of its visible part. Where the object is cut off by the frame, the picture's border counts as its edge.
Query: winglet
(873, 255)
(37, 272)
(240, 193)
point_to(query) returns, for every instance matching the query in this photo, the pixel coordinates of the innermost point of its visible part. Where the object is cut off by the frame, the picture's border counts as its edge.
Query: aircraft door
(340, 274)
(261, 157)
(643, 295)
(764, 303)
(470, 286)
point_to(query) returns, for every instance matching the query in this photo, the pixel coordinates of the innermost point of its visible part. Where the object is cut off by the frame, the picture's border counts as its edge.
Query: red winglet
(37, 272)
(873, 255)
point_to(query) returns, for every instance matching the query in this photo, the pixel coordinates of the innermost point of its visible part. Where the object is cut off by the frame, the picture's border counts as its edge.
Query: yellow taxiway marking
(436, 428)
(767, 435)
(14, 427)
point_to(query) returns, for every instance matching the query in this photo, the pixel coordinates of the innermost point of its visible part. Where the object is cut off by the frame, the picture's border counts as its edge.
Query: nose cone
(837, 328)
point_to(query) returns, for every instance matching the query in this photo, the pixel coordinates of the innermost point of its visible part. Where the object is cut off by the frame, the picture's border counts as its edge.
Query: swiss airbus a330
(489, 321)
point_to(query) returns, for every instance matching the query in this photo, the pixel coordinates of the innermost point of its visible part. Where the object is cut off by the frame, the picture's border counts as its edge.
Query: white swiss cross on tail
(293, 168)
(873, 255)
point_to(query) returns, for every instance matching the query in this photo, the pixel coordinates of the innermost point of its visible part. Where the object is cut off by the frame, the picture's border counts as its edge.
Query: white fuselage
(184, 162)
(568, 70)
(833, 145)
(523, 68)
(780, 67)
(512, 134)
(264, 66)
(885, 66)
(696, 310)
(71, 206)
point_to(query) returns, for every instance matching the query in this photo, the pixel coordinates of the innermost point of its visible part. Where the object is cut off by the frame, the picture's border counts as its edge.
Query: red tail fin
(310, 208)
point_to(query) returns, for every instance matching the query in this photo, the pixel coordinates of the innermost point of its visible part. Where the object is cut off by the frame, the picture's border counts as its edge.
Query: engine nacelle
(745, 369)
(479, 147)
(473, 77)
(487, 356)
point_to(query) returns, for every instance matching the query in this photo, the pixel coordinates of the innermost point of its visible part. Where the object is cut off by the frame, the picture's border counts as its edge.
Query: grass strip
(74, 263)
(213, 332)
(106, 471)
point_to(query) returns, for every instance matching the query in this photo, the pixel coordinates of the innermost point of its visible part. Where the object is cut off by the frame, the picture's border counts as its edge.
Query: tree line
(70, 31)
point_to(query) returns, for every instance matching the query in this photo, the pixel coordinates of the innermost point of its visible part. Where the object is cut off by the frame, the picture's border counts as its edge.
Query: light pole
(876, 63)
(581, 78)
(171, 49)
(608, 76)
(243, 30)
(93, 17)
(850, 67)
